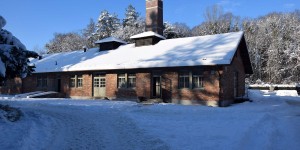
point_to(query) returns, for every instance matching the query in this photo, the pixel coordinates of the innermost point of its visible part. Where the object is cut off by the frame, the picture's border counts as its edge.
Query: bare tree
(217, 22)
(65, 42)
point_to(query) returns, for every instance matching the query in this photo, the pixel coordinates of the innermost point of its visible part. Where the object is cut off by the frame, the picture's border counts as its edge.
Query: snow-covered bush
(13, 55)
(9, 113)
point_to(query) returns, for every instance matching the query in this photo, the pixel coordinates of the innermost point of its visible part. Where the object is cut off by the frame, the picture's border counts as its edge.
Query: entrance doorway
(58, 85)
(156, 85)
(99, 82)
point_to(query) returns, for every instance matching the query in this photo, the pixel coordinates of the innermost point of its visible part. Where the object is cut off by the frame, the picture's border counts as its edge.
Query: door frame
(153, 86)
(98, 75)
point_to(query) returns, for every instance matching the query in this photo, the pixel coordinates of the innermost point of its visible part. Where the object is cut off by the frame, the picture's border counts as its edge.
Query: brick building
(206, 70)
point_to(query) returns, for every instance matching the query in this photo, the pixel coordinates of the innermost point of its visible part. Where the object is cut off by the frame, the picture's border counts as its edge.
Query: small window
(121, 81)
(76, 81)
(79, 81)
(197, 81)
(184, 81)
(73, 81)
(41, 81)
(102, 82)
(131, 81)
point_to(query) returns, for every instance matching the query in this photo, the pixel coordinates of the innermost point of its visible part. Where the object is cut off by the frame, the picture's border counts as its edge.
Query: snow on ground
(271, 121)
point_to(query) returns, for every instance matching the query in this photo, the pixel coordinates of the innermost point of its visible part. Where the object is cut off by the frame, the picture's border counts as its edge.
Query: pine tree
(131, 17)
(107, 25)
(13, 55)
(89, 34)
(132, 25)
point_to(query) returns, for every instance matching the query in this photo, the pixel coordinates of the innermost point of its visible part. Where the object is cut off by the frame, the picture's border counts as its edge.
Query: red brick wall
(228, 77)
(195, 96)
(143, 84)
(84, 91)
(111, 85)
(170, 90)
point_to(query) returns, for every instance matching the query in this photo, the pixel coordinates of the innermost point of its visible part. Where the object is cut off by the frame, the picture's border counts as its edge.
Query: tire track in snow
(78, 127)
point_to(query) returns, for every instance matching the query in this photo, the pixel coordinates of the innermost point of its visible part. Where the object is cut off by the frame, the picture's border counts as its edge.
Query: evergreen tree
(107, 25)
(132, 25)
(13, 55)
(131, 17)
(89, 34)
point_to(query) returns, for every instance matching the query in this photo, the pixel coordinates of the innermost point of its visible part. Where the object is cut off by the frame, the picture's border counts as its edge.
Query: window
(102, 82)
(131, 81)
(184, 80)
(191, 80)
(126, 80)
(79, 81)
(197, 81)
(73, 81)
(121, 81)
(41, 81)
(76, 81)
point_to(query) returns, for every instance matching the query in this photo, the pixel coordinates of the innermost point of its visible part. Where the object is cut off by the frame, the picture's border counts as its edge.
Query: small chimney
(154, 16)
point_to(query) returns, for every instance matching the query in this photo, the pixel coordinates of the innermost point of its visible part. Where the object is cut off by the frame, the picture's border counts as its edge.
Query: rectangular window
(131, 81)
(73, 81)
(184, 80)
(41, 81)
(121, 81)
(79, 81)
(197, 81)
(76, 81)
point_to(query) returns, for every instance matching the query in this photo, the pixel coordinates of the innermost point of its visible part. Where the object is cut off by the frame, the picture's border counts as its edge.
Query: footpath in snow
(271, 121)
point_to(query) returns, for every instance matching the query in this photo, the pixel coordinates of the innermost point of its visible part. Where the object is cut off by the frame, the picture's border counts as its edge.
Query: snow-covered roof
(147, 34)
(192, 51)
(110, 39)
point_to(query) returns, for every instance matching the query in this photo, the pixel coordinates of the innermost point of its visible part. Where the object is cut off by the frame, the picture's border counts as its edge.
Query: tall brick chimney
(154, 16)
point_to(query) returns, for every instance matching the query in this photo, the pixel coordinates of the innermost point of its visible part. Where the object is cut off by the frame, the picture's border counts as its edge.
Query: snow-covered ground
(271, 121)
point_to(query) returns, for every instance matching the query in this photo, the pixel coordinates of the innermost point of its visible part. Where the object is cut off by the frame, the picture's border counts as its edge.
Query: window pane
(131, 80)
(102, 82)
(79, 81)
(197, 81)
(184, 81)
(121, 81)
(96, 82)
(72, 81)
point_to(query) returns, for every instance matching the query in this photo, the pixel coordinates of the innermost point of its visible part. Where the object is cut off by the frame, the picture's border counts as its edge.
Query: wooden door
(99, 86)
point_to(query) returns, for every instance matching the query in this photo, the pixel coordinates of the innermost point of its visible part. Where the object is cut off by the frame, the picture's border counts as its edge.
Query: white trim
(110, 39)
(147, 34)
(154, 7)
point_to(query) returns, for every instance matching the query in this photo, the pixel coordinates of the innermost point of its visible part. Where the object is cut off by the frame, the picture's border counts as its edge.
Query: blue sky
(35, 21)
